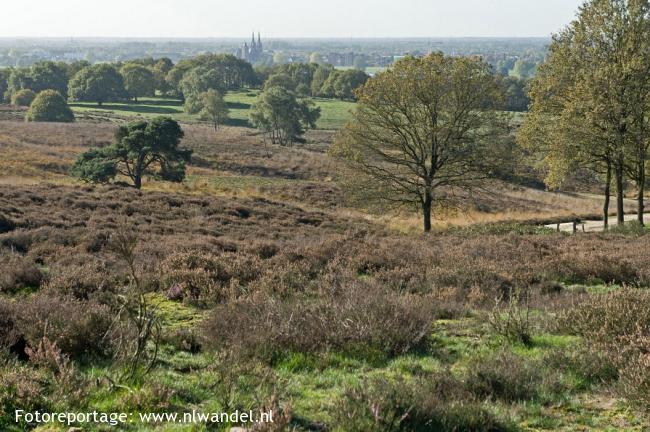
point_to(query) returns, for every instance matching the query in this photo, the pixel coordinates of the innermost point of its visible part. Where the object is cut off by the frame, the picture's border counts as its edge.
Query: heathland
(349, 253)
(272, 292)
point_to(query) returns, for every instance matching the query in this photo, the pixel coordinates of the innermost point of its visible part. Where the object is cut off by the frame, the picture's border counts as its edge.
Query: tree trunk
(620, 194)
(426, 211)
(641, 191)
(137, 181)
(608, 191)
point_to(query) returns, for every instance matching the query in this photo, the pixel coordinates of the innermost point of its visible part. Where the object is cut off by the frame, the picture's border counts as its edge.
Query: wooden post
(575, 227)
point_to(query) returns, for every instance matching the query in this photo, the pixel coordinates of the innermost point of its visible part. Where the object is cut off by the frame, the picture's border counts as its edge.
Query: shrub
(49, 382)
(6, 224)
(609, 322)
(8, 331)
(67, 384)
(378, 404)
(635, 374)
(207, 277)
(513, 321)
(49, 106)
(284, 279)
(79, 280)
(357, 321)
(23, 388)
(78, 328)
(23, 98)
(386, 405)
(18, 272)
(617, 326)
(506, 377)
(589, 366)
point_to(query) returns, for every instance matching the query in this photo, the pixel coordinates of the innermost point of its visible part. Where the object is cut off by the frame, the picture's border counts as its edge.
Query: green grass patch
(175, 315)
(145, 108)
(334, 113)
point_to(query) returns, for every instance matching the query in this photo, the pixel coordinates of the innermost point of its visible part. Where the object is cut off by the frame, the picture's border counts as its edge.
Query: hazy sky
(278, 18)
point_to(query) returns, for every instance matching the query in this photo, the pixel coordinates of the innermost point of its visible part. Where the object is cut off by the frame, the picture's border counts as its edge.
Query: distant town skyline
(286, 18)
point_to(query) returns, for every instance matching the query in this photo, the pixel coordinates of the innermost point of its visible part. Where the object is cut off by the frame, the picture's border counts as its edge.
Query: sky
(284, 18)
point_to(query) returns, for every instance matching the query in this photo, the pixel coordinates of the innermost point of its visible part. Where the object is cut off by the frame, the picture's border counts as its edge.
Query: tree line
(591, 100)
(104, 82)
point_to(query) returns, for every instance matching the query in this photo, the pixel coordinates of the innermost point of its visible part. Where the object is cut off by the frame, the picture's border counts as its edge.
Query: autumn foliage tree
(424, 128)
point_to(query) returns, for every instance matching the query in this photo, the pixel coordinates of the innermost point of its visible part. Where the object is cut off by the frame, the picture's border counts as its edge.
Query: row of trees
(82, 81)
(591, 100)
(188, 79)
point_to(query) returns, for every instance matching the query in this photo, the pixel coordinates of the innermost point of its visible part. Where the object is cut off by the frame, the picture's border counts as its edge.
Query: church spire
(253, 40)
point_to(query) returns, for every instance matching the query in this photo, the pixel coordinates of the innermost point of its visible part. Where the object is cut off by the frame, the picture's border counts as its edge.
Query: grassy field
(269, 292)
(334, 113)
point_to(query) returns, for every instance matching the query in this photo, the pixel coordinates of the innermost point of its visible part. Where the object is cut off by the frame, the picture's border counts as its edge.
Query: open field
(270, 291)
(334, 113)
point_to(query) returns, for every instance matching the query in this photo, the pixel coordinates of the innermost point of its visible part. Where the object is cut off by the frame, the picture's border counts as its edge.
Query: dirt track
(595, 225)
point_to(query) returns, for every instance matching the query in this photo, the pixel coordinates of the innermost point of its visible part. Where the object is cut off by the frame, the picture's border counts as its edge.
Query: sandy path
(595, 225)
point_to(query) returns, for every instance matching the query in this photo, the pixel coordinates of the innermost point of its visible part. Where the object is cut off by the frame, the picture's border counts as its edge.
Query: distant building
(253, 53)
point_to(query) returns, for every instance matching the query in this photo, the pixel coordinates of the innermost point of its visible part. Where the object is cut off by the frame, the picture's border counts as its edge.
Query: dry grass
(235, 162)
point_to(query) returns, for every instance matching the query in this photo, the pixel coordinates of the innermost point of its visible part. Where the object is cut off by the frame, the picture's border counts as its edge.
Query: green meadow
(334, 113)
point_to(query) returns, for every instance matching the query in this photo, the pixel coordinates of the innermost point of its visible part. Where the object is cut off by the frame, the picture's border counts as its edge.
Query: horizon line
(170, 38)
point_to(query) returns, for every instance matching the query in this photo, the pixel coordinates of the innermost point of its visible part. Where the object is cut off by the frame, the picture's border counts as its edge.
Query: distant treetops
(139, 149)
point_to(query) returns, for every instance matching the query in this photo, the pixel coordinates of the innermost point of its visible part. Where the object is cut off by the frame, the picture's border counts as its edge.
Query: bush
(591, 368)
(8, 331)
(512, 321)
(23, 98)
(79, 280)
(78, 328)
(21, 387)
(609, 322)
(357, 321)
(635, 375)
(617, 326)
(18, 272)
(6, 224)
(508, 377)
(385, 404)
(206, 277)
(48, 383)
(49, 106)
